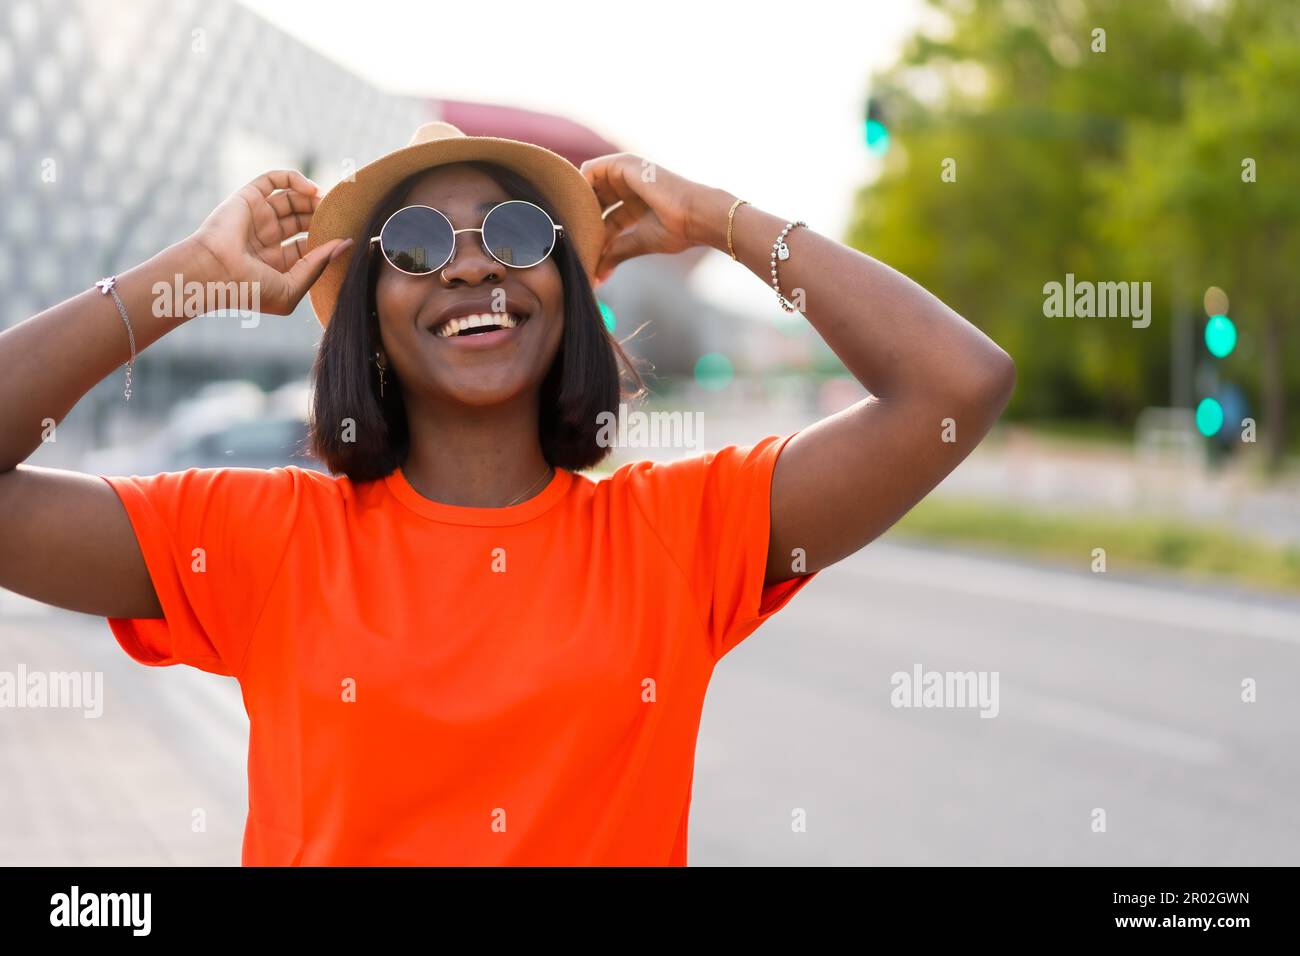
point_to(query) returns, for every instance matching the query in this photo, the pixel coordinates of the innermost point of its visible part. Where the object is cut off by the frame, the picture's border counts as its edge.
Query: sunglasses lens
(519, 233)
(417, 239)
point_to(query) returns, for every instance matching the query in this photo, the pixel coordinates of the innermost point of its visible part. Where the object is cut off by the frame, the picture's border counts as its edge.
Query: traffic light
(607, 314)
(875, 129)
(1220, 340)
(1220, 336)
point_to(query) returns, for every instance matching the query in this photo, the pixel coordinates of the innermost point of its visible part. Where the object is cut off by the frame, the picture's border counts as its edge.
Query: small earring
(381, 375)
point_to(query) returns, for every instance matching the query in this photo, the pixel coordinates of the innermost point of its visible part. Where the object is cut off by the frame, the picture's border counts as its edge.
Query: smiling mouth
(480, 324)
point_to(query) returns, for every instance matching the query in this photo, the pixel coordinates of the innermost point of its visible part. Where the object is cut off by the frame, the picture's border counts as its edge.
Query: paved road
(1119, 694)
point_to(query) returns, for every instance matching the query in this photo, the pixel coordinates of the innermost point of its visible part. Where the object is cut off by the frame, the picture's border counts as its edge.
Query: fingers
(274, 179)
(295, 251)
(607, 176)
(290, 253)
(306, 269)
(618, 250)
(286, 202)
(622, 209)
(282, 215)
(618, 219)
(293, 224)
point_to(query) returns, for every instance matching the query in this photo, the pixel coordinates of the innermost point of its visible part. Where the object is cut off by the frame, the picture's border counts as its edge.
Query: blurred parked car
(225, 424)
(257, 443)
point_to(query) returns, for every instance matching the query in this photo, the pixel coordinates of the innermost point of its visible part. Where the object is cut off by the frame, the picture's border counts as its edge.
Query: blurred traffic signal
(1220, 336)
(875, 129)
(1220, 340)
(1209, 417)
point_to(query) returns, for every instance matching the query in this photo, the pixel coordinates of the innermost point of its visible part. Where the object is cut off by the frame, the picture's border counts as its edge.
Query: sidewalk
(1017, 465)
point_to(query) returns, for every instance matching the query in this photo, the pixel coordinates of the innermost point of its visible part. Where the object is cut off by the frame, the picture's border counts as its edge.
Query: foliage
(1115, 165)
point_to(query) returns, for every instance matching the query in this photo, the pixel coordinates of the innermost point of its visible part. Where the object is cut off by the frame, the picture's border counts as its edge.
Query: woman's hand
(244, 235)
(656, 208)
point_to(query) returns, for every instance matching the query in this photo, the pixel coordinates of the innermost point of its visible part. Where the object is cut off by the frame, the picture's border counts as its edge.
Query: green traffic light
(713, 371)
(1209, 417)
(877, 137)
(1220, 336)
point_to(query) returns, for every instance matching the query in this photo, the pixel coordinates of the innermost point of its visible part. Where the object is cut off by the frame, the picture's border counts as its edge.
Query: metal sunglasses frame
(559, 234)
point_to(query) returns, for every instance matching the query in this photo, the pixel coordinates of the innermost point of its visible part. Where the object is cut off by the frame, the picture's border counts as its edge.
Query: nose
(470, 262)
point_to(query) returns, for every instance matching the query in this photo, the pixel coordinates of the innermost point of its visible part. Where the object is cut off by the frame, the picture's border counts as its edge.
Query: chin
(481, 394)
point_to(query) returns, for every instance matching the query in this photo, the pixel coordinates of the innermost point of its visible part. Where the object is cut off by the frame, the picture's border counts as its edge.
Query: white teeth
(454, 326)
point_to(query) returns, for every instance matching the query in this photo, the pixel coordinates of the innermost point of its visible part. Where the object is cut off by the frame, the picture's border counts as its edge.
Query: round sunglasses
(420, 240)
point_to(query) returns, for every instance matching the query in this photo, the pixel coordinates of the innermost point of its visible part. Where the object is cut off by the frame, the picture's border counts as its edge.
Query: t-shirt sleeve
(713, 513)
(213, 540)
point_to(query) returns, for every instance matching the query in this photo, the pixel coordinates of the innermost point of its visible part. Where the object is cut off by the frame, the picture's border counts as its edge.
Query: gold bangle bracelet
(731, 213)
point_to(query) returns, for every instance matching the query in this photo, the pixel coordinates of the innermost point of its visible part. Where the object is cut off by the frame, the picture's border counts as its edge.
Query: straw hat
(343, 210)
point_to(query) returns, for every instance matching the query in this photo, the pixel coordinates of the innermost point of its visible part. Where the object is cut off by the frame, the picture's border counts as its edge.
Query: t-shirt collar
(541, 502)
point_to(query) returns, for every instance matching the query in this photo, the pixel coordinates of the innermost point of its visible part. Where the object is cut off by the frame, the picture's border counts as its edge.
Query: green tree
(1215, 198)
(1093, 154)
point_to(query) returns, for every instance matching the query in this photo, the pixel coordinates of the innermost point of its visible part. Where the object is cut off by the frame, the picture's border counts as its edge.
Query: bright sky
(761, 98)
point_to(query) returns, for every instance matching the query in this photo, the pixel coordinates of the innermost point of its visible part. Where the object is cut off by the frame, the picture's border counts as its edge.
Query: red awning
(573, 141)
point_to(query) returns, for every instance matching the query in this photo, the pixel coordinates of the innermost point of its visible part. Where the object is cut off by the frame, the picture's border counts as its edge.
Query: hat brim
(345, 208)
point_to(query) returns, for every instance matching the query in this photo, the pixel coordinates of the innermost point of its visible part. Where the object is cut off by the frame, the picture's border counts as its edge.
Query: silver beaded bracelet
(107, 285)
(781, 251)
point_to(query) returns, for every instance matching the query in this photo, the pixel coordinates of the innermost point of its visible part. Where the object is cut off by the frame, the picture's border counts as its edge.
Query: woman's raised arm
(65, 538)
(937, 383)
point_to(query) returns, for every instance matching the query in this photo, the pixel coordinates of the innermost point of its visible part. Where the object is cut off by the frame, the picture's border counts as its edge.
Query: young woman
(454, 649)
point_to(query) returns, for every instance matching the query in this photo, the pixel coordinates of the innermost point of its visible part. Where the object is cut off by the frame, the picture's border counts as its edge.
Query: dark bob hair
(352, 431)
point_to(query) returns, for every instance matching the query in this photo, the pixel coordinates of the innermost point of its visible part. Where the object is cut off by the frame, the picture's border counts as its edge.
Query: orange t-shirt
(433, 684)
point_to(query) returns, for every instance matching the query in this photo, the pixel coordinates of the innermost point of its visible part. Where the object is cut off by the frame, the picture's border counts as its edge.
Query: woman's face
(468, 370)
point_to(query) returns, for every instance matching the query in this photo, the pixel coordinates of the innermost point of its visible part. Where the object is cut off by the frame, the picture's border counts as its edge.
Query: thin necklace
(531, 488)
